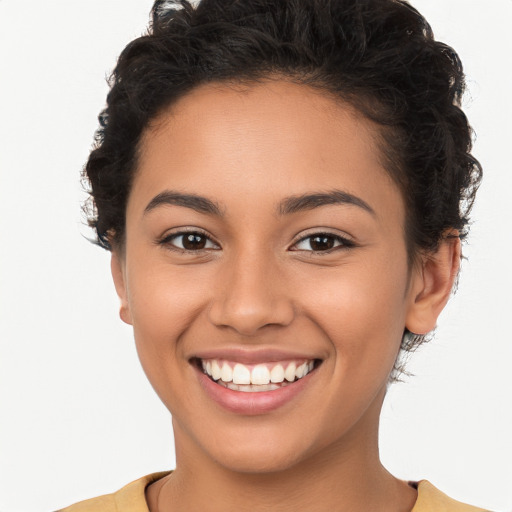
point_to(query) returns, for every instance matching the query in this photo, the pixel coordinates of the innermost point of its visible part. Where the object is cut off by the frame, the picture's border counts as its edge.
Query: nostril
(247, 311)
(246, 321)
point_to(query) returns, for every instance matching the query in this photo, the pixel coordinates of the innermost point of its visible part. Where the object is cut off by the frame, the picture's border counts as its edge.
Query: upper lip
(252, 355)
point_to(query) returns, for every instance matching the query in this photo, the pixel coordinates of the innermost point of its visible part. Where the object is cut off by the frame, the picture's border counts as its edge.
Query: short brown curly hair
(380, 56)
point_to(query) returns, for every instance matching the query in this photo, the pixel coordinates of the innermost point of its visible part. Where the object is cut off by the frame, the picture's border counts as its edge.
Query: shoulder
(100, 504)
(130, 498)
(431, 499)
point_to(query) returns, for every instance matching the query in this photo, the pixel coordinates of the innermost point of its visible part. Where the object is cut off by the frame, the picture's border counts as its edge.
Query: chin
(260, 462)
(260, 451)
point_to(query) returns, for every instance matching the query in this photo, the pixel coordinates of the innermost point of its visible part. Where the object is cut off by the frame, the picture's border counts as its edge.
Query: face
(265, 274)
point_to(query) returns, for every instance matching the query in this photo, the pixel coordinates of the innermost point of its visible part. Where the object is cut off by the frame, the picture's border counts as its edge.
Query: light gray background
(77, 416)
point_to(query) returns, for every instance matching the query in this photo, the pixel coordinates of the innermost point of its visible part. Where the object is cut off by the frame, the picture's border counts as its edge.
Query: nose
(251, 294)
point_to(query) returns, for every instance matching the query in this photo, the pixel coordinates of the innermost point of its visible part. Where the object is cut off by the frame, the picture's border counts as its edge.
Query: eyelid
(165, 240)
(346, 242)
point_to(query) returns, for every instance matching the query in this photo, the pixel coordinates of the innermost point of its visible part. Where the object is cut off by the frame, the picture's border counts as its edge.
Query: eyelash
(343, 242)
(166, 241)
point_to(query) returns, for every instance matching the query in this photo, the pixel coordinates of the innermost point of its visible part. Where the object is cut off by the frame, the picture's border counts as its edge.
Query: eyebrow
(287, 206)
(303, 202)
(198, 203)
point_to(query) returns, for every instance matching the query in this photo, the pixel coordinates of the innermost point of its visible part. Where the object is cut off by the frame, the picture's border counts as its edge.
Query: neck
(344, 477)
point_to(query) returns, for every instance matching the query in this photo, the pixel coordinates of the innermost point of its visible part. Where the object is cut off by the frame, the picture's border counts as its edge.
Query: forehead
(261, 139)
(271, 113)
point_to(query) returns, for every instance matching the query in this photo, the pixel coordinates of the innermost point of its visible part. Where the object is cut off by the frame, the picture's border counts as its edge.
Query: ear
(432, 283)
(118, 274)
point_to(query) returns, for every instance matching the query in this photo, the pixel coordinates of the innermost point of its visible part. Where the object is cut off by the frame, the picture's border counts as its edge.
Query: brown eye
(323, 242)
(191, 241)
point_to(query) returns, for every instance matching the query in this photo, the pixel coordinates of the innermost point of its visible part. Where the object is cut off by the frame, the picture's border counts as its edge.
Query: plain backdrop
(77, 415)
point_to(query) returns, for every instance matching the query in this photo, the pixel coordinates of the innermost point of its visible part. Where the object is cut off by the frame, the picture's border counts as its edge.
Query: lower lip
(252, 403)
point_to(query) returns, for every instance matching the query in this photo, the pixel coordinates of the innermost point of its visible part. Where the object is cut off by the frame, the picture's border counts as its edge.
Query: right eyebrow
(198, 203)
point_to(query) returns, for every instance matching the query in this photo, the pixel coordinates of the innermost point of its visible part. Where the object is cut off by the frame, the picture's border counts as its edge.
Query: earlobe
(433, 283)
(118, 275)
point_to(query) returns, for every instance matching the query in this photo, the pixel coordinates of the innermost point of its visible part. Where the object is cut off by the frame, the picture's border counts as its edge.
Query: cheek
(361, 308)
(163, 304)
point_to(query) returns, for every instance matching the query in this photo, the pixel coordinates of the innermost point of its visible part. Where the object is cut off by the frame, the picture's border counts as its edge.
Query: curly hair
(380, 56)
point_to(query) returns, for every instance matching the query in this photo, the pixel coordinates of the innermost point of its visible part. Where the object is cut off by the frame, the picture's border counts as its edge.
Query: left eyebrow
(198, 203)
(294, 204)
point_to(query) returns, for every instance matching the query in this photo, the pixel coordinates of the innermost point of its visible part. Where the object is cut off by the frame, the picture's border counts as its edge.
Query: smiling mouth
(258, 377)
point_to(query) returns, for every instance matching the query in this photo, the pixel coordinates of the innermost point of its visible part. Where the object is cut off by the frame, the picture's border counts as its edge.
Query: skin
(254, 286)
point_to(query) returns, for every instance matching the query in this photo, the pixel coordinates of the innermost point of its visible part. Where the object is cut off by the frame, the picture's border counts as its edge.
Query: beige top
(131, 498)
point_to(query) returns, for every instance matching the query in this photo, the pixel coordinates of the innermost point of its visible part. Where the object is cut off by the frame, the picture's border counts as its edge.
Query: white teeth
(251, 388)
(277, 373)
(241, 378)
(241, 374)
(226, 373)
(216, 372)
(289, 373)
(260, 374)
(301, 370)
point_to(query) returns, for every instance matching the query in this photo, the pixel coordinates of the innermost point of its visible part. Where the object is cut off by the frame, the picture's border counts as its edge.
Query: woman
(284, 187)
